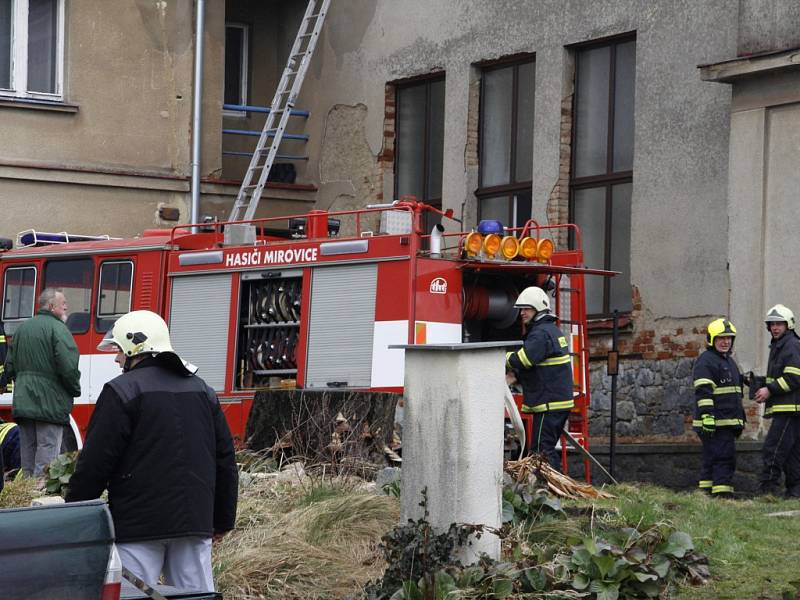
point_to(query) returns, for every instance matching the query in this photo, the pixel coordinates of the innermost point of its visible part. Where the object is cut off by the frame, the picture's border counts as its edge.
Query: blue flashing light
(490, 226)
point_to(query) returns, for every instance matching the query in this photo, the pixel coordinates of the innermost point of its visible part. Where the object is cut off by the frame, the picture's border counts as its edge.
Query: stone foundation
(676, 466)
(655, 400)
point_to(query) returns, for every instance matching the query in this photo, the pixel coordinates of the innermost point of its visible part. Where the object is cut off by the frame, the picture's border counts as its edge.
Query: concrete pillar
(453, 437)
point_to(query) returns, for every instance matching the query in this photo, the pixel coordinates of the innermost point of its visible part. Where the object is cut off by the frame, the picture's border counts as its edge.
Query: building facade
(682, 179)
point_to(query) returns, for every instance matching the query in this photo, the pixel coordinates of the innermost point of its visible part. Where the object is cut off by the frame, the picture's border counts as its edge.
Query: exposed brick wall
(385, 162)
(558, 202)
(645, 339)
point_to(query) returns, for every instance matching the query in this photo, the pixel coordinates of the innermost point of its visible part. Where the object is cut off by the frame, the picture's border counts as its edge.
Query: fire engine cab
(310, 301)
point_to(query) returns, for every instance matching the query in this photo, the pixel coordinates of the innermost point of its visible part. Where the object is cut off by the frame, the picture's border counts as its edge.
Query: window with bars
(601, 177)
(32, 48)
(506, 141)
(419, 141)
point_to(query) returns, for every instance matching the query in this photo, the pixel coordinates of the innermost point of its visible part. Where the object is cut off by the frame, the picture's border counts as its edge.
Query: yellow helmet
(719, 328)
(779, 313)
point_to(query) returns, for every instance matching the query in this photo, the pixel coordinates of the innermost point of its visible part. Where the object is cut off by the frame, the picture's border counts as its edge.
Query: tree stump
(328, 427)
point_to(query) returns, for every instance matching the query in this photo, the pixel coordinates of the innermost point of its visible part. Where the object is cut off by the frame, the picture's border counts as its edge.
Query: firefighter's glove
(709, 424)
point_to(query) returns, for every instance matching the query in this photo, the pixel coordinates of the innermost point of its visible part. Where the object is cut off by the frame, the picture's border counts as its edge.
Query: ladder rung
(271, 133)
(262, 109)
(309, 17)
(278, 156)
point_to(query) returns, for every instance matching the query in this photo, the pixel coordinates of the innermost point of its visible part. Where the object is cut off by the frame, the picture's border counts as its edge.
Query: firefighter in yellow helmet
(719, 415)
(781, 397)
(543, 367)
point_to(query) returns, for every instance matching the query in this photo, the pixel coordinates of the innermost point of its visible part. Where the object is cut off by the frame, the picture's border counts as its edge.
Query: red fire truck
(313, 301)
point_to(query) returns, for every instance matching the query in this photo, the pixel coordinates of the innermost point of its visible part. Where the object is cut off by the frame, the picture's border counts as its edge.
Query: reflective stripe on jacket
(783, 375)
(718, 390)
(544, 367)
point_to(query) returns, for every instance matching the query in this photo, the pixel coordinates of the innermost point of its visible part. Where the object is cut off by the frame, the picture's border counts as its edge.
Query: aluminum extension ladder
(280, 110)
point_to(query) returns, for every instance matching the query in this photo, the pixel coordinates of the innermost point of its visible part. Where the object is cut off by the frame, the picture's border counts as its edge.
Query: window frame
(19, 54)
(427, 81)
(512, 188)
(100, 317)
(5, 295)
(244, 80)
(608, 180)
(90, 288)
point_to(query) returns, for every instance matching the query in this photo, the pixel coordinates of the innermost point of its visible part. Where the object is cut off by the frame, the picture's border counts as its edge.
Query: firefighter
(719, 414)
(543, 367)
(159, 443)
(781, 395)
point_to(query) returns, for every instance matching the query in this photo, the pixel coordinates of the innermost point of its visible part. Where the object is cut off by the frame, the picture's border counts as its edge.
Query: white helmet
(535, 298)
(142, 332)
(779, 313)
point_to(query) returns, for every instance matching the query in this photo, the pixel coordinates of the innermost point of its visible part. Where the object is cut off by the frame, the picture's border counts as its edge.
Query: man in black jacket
(781, 397)
(543, 366)
(159, 443)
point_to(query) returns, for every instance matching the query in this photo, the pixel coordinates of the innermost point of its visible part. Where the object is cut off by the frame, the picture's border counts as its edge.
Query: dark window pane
(435, 141)
(18, 296)
(591, 136)
(621, 247)
(497, 208)
(74, 278)
(526, 76)
(625, 83)
(411, 118)
(521, 208)
(234, 63)
(5, 43)
(590, 216)
(42, 45)
(115, 293)
(496, 127)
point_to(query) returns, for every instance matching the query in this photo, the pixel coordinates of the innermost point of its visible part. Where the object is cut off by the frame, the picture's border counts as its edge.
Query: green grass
(750, 554)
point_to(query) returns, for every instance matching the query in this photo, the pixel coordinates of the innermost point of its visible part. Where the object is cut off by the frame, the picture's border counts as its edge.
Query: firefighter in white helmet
(543, 367)
(159, 443)
(718, 414)
(781, 397)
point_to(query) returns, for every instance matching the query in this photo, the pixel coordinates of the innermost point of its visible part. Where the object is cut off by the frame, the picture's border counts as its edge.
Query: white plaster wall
(680, 169)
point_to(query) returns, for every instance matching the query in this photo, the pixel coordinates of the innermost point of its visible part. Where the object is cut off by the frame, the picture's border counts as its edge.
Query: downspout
(197, 110)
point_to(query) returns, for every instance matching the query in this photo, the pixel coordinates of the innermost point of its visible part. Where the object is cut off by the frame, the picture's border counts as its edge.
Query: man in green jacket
(43, 363)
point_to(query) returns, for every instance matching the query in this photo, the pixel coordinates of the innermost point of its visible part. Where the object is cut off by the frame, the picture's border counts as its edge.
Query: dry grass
(19, 493)
(303, 540)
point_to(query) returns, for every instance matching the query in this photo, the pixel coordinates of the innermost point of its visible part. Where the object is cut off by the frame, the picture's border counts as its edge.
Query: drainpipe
(197, 110)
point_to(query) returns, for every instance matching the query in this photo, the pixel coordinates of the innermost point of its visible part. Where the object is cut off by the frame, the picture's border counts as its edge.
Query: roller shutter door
(199, 317)
(341, 323)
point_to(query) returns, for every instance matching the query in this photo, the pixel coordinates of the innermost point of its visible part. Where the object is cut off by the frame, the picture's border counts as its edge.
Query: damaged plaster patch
(346, 160)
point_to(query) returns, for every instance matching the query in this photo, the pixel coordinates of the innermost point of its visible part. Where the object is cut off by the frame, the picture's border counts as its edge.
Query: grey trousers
(185, 561)
(39, 445)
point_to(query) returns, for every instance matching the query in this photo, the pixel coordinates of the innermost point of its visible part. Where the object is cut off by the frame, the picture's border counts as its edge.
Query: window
(74, 279)
(506, 142)
(114, 299)
(237, 50)
(419, 149)
(19, 296)
(602, 168)
(31, 48)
